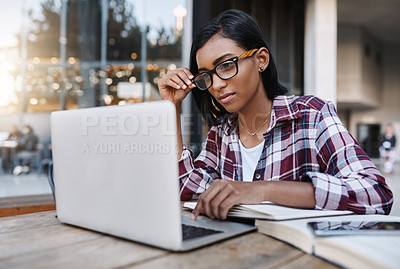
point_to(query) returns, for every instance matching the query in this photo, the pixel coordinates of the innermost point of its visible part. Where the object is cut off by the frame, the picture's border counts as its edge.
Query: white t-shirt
(250, 158)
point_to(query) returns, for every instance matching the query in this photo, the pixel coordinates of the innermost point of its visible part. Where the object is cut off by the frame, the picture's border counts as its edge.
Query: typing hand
(216, 201)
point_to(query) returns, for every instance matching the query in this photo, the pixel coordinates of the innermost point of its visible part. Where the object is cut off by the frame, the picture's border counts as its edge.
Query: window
(67, 54)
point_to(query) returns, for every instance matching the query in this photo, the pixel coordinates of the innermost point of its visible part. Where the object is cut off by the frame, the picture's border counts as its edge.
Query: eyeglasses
(224, 70)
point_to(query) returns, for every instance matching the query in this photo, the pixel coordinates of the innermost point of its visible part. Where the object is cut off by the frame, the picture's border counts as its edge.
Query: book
(350, 251)
(270, 211)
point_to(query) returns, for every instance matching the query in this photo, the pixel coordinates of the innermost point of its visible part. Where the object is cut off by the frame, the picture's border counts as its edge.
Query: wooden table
(11, 206)
(39, 240)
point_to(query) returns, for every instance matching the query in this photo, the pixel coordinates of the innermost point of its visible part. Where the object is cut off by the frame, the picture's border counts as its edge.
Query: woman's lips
(225, 98)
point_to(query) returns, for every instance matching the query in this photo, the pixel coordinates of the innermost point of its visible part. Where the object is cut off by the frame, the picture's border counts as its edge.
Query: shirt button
(258, 176)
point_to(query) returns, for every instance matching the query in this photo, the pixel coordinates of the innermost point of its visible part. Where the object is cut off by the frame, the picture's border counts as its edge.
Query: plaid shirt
(305, 142)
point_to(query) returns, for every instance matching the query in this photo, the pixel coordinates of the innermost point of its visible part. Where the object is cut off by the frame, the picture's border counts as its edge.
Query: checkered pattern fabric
(305, 142)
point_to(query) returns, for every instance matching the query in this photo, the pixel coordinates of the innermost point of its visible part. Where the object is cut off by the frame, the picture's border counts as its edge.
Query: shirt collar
(285, 108)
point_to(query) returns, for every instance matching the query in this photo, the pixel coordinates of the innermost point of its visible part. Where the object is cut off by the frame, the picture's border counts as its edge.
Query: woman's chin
(230, 109)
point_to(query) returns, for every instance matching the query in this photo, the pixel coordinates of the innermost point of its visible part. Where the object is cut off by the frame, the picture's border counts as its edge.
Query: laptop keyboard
(190, 232)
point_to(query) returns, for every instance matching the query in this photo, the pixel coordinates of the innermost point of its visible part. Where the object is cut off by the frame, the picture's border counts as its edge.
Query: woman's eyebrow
(216, 61)
(220, 58)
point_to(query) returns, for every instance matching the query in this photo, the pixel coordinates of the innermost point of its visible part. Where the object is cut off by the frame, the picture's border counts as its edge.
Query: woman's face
(235, 93)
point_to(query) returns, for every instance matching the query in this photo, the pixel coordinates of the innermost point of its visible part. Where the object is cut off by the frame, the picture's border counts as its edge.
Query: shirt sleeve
(348, 180)
(195, 176)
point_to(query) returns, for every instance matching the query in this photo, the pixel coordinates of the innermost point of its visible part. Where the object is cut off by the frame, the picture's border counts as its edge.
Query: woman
(293, 151)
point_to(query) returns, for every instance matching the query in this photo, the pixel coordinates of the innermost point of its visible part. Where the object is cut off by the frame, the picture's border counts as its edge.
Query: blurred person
(26, 151)
(15, 134)
(387, 148)
(6, 152)
(264, 145)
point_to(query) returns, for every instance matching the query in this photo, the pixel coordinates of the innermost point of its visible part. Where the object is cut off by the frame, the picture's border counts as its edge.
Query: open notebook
(270, 211)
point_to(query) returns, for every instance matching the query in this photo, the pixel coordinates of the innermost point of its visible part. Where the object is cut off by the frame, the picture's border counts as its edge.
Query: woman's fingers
(218, 199)
(197, 211)
(227, 204)
(226, 192)
(208, 196)
(176, 84)
(185, 78)
(180, 77)
(203, 204)
(188, 73)
(171, 83)
(212, 201)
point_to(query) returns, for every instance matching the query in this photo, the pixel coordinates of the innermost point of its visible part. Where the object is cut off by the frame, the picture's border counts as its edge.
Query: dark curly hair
(242, 29)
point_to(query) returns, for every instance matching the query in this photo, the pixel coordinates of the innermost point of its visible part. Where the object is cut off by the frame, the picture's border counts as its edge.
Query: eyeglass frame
(235, 59)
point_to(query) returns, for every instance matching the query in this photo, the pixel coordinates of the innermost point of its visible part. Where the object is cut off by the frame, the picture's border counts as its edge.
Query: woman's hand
(216, 201)
(175, 85)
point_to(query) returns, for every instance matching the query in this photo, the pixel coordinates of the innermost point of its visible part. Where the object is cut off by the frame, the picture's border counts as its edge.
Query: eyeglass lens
(224, 70)
(203, 81)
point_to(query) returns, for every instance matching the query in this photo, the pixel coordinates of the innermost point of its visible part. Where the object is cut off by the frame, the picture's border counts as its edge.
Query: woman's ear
(262, 56)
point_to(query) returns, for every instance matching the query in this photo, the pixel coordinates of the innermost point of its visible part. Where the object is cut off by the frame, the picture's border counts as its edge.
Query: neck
(255, 113)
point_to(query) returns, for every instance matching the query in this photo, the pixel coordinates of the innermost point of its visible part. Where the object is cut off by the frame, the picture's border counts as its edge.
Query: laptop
(115, 171)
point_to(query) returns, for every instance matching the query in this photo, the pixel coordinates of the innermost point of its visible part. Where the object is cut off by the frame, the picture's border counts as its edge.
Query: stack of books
(343, 245)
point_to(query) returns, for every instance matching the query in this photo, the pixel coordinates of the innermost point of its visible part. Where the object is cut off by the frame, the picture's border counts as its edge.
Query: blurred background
(69, 54)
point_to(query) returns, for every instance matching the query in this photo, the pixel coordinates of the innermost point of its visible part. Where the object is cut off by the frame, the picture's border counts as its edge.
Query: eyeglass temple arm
(247, 54)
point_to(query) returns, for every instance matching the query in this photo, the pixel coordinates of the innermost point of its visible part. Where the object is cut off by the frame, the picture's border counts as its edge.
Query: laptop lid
(115, 171)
